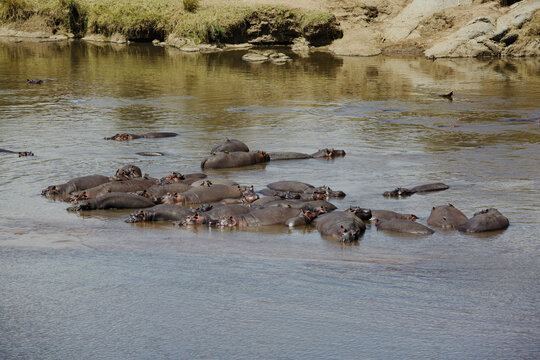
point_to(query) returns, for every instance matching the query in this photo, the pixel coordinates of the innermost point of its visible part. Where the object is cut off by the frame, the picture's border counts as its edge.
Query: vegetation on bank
(156, 19)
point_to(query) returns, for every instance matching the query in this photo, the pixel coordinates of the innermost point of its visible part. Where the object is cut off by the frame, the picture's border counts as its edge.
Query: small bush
(15, 10)
(191, 5)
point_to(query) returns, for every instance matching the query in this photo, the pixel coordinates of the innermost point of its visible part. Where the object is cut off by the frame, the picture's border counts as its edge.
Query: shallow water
(91, 286)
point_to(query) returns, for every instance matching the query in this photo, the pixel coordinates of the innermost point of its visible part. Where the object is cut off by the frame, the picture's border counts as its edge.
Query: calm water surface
(89, 286)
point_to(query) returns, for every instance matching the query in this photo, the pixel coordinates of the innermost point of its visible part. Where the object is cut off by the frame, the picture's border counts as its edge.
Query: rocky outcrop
(266, 56)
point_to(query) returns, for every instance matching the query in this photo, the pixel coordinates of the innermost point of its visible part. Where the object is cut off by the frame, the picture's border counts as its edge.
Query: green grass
(149, 19)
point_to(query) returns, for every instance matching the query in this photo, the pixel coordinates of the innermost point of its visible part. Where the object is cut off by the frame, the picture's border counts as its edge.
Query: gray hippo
(343, 226)
(152, 135)
(312, 205)
(485, 220)
(403, 226)
(76, 184)
(402, 192)
(446, 217)
(328, 153)
(37, 81)
(387, 215)
(127, 172)
(118, 200)
(176, 177)
(21, 153)
(132, 185)
(230, 145)
(158, 191)
(161, 212)
(213, 215)
(320, 192)
(275, 156)
(262, 217)
(204, 194)
(214, 181)
(222, 160)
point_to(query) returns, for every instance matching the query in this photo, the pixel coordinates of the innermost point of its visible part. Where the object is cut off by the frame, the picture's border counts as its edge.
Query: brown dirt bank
(449, 28)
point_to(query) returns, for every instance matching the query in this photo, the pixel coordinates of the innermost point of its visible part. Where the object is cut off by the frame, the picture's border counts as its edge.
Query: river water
(90, 286)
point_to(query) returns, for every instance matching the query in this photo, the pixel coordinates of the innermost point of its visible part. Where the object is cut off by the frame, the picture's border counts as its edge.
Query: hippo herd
(195, 199)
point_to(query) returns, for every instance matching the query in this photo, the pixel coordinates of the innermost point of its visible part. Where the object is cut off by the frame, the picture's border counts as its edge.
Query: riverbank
(450, 28)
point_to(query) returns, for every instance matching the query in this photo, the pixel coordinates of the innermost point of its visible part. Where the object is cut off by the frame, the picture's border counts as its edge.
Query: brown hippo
(485, 220)
(76, 184)
(127, 172)
(224, 160)
(403, 226)
(262, 217)
(291, 186)
(21, 153)
(344, 226)
(213, 215)
(161, 212)
(312, 205)
(387, 215)
(152, 135)
(402, 192)
(132, 185)
(328, 153)
(446, 217)
(158, 191)
(202, 195)
(230, 145)
(115, 200)
(274, 156)
(176, 177)
(311, 192)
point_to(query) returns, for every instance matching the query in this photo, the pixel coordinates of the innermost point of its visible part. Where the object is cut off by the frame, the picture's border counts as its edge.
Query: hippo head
(309, 215)
(249, 195)
(319, 194)
(127, 172)
(79, 196)
(347, 235)
(412, 217)
(25, 153)
(51, 190)
(398, 192)
(122, 137)
(137, 216)
(227, 221)
(329, 153)
(364, 214)
(195, 219)
(263, 156)
(83, 205)
(172, 198)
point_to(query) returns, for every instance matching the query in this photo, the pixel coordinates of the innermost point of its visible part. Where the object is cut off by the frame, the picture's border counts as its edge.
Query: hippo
(387, 215)
(114, 200)
(127, 172)
(176, 177)
(402, 192)
(202, 195)
(213, 215)
(312, 205)
(161, 212)
(152, 135)
(403, 226)
(284, 194)
(230, 145)
(224, 160)
(76, 184)
(305, 218)
(264, 200)
(328, 153)
(447, 96)
(157, 191)
(262, 217)
(291, 186)
(363, 214)
(274, 156)
(150, 153)
(446, 217)
(486, 220)
(310, 191)
(21, 153)
(132, 185)
(214, 181)
(37, 81)
(344, 226)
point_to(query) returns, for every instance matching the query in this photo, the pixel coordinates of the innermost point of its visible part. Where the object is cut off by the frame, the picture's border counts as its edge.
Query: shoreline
(394, 27)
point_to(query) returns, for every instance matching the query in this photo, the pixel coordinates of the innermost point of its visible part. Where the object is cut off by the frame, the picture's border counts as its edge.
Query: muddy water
(91, 286)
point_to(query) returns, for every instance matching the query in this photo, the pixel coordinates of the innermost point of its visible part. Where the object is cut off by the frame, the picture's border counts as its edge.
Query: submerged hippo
(21, 153)
(127, 172)
(152, 135)
(222, 160)
(446, 217)
(312, 205)
(132, 185)
(298, 187)
(156, 192)
(203, 195)
(213, 215)
(76, 184)
(230, 145)
(485, 220)
(117, 200)
(214, 181)
(37, 81)
(344, 226)
(176, 177)
(328, 153)
(161, 212)
(403, 226)
(402, 192)
(262, 217)
(274, 156)
(387, 215)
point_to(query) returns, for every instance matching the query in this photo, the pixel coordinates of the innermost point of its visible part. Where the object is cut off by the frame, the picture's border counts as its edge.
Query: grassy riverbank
(156, 19)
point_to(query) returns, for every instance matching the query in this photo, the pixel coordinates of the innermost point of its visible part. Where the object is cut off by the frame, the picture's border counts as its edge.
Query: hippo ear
(342, 229)
(433, 208)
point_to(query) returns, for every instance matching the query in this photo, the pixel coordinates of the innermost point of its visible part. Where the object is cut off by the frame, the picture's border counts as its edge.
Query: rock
(269, 55)
(254, 57)
(521, 19)
(509, 39)
(300, 45)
